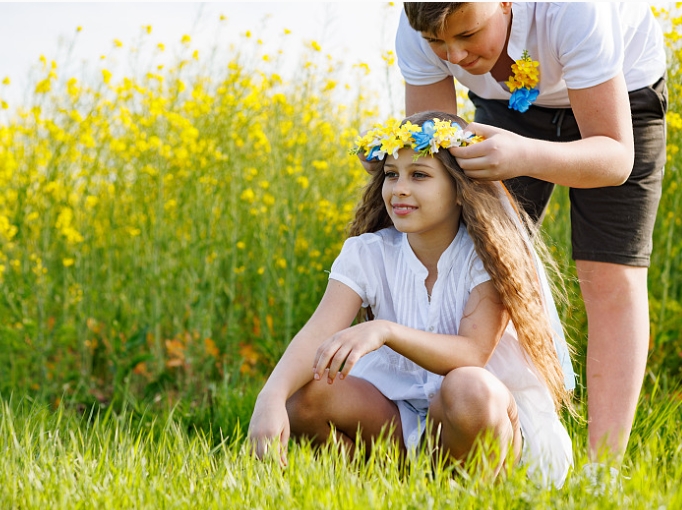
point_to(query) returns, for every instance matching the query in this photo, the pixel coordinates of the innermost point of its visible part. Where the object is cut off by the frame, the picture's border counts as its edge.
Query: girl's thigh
(349, 405)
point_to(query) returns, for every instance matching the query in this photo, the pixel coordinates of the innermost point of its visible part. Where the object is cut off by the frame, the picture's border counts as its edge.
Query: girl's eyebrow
(418, 164)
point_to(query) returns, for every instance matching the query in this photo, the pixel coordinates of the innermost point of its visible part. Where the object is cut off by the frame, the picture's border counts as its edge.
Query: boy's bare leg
(617, 305)
(346, 404)
(471, 402)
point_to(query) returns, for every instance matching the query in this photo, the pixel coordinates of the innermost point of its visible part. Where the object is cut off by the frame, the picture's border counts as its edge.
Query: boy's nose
(454, 53)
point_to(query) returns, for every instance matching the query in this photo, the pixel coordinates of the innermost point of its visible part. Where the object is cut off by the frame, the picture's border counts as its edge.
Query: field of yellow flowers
(168, 230)
(171, 227)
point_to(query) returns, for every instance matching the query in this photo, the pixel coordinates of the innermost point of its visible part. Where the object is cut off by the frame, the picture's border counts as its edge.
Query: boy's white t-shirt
(577, 44)
(387, 275)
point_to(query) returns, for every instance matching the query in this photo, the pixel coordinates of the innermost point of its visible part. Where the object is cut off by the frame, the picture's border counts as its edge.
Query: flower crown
(426, 139)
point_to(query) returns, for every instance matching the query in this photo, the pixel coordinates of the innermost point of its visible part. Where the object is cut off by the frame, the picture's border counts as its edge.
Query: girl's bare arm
(269, 421)
(480, 330)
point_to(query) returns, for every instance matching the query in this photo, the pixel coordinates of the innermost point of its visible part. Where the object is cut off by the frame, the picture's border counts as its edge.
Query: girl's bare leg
(471, 402)
(347, 405)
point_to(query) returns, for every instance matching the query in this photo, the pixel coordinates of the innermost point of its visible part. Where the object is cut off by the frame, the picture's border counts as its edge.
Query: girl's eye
(390, 175)
(419, 175)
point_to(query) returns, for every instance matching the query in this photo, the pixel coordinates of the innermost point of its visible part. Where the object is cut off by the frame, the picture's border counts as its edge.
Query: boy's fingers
(370, 166)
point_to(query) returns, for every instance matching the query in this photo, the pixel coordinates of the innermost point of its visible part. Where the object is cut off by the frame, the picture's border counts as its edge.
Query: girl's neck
(429, 246)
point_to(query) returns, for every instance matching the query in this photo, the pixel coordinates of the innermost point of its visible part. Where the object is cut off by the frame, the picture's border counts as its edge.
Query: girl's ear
(506, 7)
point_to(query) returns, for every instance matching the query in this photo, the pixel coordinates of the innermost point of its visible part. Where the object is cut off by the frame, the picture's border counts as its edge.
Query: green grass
(128, 459)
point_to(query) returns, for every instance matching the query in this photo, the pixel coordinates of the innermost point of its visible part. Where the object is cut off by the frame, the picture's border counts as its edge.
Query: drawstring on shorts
(559, 120)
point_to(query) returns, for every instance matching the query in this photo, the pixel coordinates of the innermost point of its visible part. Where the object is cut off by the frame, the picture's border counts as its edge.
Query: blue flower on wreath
(422, 139)
(521, 99)
(374, 153)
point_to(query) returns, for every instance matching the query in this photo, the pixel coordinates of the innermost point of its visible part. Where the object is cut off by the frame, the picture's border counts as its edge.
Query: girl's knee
(471, 398)
(307, 403)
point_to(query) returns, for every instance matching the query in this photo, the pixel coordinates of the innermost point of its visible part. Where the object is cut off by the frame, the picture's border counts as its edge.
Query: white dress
(384, 271)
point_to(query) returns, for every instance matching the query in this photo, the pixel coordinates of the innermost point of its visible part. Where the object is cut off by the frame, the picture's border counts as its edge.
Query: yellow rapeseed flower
(185, 39)
(303, 181)
(674, 120)
(388, 57)
(248, 195)
(363, 66)
(118, 43)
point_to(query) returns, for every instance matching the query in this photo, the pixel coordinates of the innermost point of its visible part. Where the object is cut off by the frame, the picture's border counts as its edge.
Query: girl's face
(420, 196)
(474, 36)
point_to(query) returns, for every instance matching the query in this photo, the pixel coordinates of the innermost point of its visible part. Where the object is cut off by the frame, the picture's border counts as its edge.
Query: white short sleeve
(356, 267)
(589, 42)
(477, 272)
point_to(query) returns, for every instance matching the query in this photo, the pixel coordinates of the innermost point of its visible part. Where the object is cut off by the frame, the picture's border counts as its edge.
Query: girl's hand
(269, 425)
(340, 352)
(501, 155)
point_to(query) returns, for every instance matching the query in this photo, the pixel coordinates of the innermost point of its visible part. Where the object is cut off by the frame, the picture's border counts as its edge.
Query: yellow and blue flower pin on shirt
(523, 83)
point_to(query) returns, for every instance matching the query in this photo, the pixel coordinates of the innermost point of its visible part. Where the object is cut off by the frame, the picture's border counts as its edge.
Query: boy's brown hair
(429, 17)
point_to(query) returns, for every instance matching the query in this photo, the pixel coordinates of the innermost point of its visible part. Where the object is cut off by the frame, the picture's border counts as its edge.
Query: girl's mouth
(403, 209)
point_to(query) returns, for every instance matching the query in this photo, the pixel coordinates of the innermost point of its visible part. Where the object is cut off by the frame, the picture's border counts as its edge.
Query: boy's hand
(370, 166)
(501, 155)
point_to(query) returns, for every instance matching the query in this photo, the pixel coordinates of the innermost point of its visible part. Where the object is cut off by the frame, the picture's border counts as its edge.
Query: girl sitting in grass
(462, 340)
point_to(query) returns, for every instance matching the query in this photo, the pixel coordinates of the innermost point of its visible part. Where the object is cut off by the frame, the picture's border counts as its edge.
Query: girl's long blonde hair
(500, 244)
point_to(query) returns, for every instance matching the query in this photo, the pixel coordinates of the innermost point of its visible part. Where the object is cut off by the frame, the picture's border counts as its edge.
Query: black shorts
(610, 224)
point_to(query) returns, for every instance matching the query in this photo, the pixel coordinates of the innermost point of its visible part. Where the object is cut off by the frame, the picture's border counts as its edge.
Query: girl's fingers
(323, 358)
(336, 363)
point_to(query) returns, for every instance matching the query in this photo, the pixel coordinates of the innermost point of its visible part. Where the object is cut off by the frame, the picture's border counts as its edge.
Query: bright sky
(353, 32)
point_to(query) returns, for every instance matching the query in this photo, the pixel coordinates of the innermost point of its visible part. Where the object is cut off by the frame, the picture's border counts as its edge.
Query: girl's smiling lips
(403, 209)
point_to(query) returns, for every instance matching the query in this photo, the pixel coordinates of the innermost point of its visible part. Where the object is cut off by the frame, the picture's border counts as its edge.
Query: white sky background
(351, 32)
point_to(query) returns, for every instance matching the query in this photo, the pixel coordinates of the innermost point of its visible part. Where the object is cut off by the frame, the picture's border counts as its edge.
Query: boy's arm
(269, 421)
(439, 96)
(480, 330)
(603, 157)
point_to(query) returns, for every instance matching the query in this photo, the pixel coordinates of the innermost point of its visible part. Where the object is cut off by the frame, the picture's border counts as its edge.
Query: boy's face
(474, 36)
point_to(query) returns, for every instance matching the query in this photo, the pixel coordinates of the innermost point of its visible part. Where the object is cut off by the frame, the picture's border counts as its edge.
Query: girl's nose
(400, 187)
